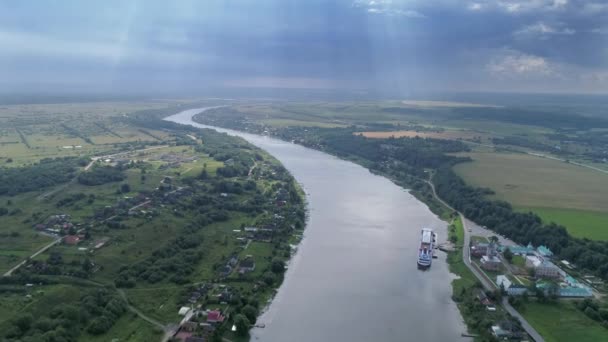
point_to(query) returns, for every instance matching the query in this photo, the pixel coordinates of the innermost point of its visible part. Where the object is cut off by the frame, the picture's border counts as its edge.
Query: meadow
(562, 321)
(560, 192)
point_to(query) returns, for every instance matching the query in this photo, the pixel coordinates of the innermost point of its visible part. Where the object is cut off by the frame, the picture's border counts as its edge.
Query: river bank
(365, 229)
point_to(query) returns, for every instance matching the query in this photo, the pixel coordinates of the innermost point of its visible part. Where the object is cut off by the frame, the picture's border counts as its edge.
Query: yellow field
(447, 134)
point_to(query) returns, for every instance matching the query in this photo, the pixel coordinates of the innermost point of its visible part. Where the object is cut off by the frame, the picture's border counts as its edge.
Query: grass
(128, 328)
(561, 321)
(580, 223)
(576, 196)
(465, 276)
(518, 260)
(528, 181)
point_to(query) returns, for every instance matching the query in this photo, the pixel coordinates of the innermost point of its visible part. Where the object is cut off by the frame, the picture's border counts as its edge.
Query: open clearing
(529, 182)
(563, 322)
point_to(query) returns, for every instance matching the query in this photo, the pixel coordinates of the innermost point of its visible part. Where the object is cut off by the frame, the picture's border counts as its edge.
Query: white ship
(428, 241)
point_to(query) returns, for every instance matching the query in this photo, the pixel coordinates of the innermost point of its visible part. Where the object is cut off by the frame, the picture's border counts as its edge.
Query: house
(516, 290)
(247, 265)
(520, 250)
(188, 326)
(490, 263)
(575, 292)
(506, 330)
(479, 249)
(542, 268)
(483, 298)
(503, 281)
(183, 311)
(225, 270)
(71, 240)
(544, 251)
(215, 316)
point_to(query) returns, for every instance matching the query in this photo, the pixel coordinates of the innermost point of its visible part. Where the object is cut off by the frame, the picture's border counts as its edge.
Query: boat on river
(428, 240)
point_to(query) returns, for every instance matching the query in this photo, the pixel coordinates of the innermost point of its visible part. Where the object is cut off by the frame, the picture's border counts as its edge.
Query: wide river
(354, 277)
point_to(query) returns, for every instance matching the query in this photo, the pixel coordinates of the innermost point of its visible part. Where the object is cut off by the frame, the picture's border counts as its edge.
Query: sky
(394, 46)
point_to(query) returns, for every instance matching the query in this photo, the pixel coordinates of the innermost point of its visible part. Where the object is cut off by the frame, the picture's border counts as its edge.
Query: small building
(503, 281)
(183, 311)
(544, 251)
(490, 263)
(479, 249)
(215, 316)
(506, 330)
(575, 292)
(483, 298)
(516, 290)
(247, 265)
(542, 268)
(521, 250)
(71, 239)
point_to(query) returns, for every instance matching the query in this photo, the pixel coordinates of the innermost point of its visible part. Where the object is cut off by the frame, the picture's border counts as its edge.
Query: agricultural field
(31, 132)
(562, 322)
(560, 192)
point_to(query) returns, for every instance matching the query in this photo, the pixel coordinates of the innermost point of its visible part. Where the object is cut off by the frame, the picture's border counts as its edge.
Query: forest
(47, 172)
(96, 313)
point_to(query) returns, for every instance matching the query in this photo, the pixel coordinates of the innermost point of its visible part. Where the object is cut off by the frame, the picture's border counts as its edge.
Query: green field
(580, 223)
(560, 192)
(562, 322)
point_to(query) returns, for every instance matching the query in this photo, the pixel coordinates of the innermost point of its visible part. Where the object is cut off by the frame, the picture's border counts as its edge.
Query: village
(519, 272)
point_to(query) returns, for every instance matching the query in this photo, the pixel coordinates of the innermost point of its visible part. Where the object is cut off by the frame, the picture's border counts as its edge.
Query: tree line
(519, 227)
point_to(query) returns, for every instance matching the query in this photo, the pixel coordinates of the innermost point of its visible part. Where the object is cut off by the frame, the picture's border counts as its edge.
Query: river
(354, 276)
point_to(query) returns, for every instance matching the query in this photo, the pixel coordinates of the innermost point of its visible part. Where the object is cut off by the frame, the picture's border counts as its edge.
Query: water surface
(354, 277)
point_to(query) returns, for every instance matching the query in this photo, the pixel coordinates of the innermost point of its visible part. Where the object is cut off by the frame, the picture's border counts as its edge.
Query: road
(89, 165)
(41, 250)
(487, 283)
(567, 161)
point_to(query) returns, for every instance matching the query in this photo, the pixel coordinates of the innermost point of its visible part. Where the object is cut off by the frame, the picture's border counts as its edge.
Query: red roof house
(215, 316)
(71, 239)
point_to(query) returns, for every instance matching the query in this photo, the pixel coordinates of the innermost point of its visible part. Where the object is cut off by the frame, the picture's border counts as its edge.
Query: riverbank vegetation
(408, 161)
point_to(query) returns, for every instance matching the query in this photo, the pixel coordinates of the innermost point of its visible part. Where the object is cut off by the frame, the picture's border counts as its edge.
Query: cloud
(284, 82)
(542, 30)
(516, 65)
(518, 6)
(594, 8)
(388, 7)
(20, 44)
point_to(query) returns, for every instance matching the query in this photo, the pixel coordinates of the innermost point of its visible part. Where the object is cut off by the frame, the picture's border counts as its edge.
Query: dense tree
(47, 172)
(101, 175)
(242, 324)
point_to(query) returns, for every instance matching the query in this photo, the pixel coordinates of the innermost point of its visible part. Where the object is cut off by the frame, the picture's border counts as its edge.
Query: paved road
(485, 281)
(41, 250)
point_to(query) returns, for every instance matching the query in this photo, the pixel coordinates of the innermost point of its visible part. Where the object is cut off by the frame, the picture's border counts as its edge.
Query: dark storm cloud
(540, 45)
